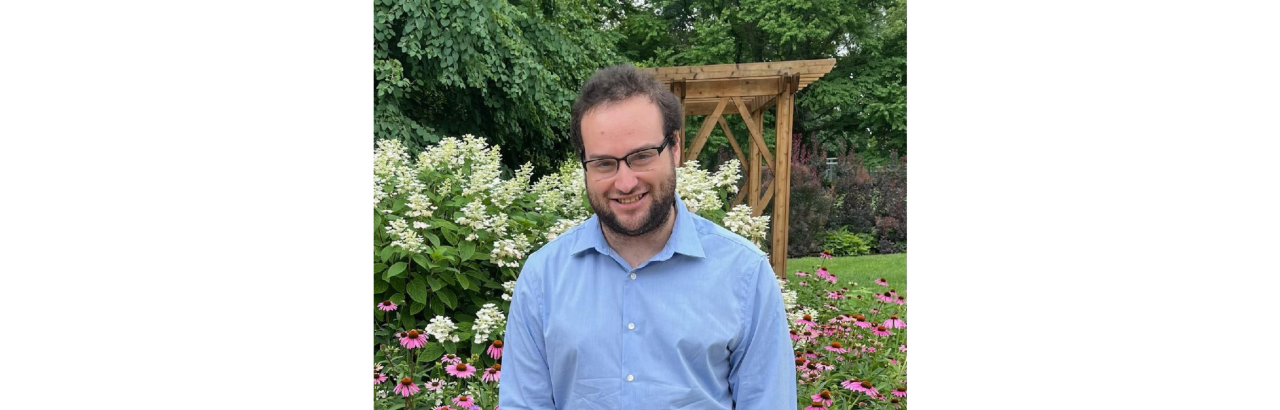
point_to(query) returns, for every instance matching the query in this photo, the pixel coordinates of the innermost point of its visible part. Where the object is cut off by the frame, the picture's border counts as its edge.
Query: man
(644, 305)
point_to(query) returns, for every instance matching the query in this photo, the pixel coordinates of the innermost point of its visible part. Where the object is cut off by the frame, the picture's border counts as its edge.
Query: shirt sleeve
(762, 373)
(526, 380)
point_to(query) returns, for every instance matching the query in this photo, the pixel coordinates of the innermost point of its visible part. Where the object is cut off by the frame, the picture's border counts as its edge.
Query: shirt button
(633, 276)
(630, 377)
(631, 326)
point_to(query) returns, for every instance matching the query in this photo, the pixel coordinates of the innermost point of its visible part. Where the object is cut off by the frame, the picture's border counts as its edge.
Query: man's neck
(637, 249)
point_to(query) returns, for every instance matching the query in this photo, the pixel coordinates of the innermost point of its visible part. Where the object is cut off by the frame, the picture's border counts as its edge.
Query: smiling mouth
(629, 200)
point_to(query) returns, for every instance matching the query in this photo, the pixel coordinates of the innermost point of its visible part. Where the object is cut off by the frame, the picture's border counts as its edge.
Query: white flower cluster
(507, 252)
(404, 237)
(698, 188)
(788, 296)
(488, 319)
(508, 287)
(508, 191)
(420, 206)
(562, 193)
(442, 328)
(475, 215)
(740, 221)
(388, 157)
(562, 225)
(379, 193)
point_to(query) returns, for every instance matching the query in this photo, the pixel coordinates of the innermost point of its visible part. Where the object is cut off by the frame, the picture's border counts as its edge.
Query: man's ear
(678, 152)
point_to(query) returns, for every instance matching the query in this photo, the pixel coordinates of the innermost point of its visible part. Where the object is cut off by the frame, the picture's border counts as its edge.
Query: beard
(662, 200)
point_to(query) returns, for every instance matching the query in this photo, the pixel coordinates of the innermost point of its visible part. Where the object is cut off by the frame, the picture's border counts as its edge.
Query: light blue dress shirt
(700, 325)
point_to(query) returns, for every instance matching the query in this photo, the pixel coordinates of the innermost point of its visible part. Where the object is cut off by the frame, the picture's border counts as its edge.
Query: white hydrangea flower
(561, 226)
(488, 320)
(740, 221)
(404, 237)
(508, 287)
(697, 187)
(509, 252)
(441, 327)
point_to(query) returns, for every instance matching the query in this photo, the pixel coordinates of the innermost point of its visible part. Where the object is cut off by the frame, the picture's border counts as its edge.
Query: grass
(860, 269)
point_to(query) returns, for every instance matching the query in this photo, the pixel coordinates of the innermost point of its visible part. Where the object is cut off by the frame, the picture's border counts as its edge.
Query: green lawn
(860, 269)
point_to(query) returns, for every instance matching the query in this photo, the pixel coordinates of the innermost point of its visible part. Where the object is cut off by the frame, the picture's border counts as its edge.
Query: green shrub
(845, 243)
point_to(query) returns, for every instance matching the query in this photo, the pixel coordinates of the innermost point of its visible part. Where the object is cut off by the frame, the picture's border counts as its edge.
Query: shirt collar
(683, 240)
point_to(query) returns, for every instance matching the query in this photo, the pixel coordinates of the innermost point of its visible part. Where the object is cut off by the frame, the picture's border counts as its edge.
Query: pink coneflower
(826, 254)
(902, 348)
(823, 397)
(808, 335)
(492, 374)
(835, 347)
(802, 273)
(445, 407)
(460, 370)
(885, 297)
(823, 273)
(817, 405)
(387, 306)
(882, 282)
(834, 295)
(795, 335)
(881, 331)
(412, 339)
(861, 321)
(378, 378)
(406, 387)
(875, 310)
(869, 349)
(434, 385)
(850, 384)
(893, 361)
(803, 283)
(495, 350)
(806, 319)
(450, 359)
(894, 323)
(901, 300)
(866, 387)
(901, 391)
(464, 401)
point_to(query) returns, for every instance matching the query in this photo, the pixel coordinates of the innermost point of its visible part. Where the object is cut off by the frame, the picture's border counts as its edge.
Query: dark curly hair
(617, 83)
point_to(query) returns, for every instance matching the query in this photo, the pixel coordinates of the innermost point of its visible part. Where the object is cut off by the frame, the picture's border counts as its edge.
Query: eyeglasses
(639, 161)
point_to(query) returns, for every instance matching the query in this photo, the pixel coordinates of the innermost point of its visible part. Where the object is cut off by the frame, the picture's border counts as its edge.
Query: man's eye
(643, 156)
(603, 165)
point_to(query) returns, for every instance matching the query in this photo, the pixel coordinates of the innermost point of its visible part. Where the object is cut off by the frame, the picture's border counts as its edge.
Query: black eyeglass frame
(660, 148)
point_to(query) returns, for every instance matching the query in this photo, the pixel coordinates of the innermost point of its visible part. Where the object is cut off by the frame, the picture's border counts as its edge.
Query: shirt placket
(630, 340)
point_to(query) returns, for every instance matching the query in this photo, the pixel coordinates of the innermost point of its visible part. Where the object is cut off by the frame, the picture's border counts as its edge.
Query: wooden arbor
(747, 90)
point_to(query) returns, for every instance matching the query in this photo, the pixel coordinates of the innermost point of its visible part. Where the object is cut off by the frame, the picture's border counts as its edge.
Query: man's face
(617, 130)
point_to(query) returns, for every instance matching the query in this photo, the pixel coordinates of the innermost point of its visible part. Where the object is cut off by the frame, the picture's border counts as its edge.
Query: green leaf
(397, 269)
(379, 286)
(423, 261)
(417, 290)
(397, 298)
(436, 284)
(430, 352)
(445, 223)
(416, 307)
(435, 240)
(397, 284)
(436, 306)
(462, 280)
(386, 253)
(448, 298)
(466, 249)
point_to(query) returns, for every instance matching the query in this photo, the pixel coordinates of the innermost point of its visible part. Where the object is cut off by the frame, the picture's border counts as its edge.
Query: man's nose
(626, 179)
